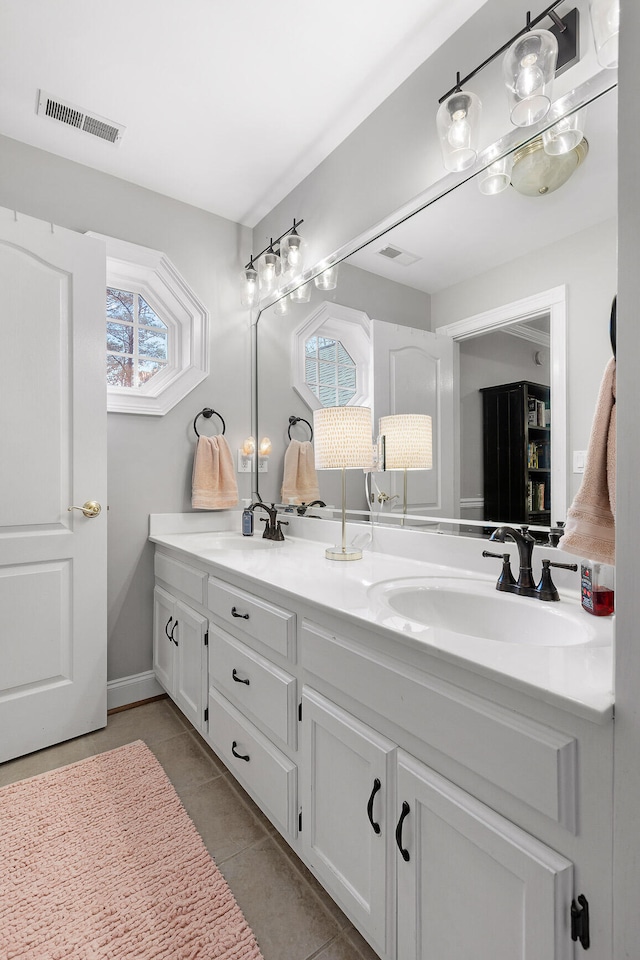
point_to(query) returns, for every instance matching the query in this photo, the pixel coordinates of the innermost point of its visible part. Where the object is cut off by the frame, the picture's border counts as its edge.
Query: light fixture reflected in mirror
(496, 177)
(529, 68)
(566, 134)
(407, 445)
(328, 279)
(265, 447)
(536, 173)
(605, 22)
(301, 294)
(458, 123)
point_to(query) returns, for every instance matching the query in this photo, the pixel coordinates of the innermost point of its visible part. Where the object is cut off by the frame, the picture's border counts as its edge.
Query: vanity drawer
(255, 685)
(268, 775)
(181, 577)
(525, 758)
(263, 621)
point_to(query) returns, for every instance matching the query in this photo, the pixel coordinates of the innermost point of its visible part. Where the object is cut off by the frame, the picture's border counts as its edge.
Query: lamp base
(342, 553)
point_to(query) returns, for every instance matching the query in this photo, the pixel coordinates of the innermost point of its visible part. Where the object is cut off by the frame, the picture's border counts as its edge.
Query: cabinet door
(347, 785)
(163, 622)
(190, 681)
(470, 883)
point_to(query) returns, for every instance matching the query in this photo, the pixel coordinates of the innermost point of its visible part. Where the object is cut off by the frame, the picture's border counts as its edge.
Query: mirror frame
(587, 92)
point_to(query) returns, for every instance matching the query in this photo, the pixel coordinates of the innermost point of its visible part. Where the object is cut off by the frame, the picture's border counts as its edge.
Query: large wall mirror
(481, 310)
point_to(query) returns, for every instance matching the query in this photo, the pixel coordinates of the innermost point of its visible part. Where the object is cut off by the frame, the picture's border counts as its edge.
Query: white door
(414, 373)
(470, 883)
(53, 429)
(347, 786)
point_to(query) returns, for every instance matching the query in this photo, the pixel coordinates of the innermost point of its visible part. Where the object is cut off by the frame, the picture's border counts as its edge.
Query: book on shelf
(540, 413)
(532, 411)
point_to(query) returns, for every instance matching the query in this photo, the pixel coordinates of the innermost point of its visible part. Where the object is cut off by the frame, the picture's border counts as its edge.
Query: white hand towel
(214, 484)
(300, 481)
(591, 527)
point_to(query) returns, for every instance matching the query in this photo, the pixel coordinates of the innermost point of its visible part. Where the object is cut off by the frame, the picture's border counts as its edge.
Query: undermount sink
(476, 609)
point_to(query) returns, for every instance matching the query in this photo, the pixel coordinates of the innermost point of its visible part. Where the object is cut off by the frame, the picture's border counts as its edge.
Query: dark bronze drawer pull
(242, 616)
(376, 787)
(238, 679)
(240, 756)
(405, 810)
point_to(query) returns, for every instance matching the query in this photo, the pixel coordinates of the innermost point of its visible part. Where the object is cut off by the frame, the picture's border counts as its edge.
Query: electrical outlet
(245, 462)
(263, 464)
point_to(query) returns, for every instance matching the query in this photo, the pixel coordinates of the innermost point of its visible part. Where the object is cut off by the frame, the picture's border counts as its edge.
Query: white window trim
(352, 328)
(150, 273)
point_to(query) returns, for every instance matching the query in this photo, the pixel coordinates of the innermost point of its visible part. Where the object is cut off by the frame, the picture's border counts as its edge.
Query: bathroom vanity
(451, 792)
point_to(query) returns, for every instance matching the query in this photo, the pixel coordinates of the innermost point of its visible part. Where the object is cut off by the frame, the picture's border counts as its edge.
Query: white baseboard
(141, 686)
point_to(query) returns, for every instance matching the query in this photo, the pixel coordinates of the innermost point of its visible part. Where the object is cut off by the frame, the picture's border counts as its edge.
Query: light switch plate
(579, 460)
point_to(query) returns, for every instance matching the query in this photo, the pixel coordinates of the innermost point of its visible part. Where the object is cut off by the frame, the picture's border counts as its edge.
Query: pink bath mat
(100, 860)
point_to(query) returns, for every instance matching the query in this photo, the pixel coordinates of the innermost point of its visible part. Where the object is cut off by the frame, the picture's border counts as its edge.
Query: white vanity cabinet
(180, 637)
(447, 814)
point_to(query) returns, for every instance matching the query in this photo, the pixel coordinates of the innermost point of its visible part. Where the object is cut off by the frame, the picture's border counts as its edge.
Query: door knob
(90, 509)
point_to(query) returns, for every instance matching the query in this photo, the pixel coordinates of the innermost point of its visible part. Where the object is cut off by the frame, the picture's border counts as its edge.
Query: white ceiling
(227, 105)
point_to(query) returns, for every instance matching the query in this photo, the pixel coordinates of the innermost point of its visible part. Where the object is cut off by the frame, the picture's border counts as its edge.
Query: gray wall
(149, 458)
(487, 361)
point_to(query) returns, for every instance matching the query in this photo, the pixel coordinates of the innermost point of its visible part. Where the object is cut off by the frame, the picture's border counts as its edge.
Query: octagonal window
(330, 371)
(137, 340)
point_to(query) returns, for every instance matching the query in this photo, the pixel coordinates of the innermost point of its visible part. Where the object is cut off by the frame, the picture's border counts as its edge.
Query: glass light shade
(605, 23)
(292, 248)
(282, 307)
(265, 447)
(529, 68)
(301, 294)
(250, 289)
(496, 177)
(458, 124)
(566, 134)
(328, 279)
(269, 269)
(342, 437)
(407, 441)
(249, 446)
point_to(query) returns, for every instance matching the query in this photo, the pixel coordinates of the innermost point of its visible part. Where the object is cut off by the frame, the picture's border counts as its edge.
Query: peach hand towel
(591, 526)
(214, 484)
(300, 481)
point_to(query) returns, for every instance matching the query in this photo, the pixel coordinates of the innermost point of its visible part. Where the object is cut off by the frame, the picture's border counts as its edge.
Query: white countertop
(577, 678)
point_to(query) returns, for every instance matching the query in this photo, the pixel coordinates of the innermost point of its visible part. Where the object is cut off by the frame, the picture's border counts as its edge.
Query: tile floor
(290, 914)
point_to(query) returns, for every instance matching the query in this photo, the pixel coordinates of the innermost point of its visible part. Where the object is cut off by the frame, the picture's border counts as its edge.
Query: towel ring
(208, 412)
(294, 420)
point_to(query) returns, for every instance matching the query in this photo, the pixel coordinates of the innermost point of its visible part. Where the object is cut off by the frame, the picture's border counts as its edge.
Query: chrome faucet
(525, 585)
(273, 528)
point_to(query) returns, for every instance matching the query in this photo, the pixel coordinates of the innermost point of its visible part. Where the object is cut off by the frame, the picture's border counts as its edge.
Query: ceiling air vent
(75, 116)
(402, 257)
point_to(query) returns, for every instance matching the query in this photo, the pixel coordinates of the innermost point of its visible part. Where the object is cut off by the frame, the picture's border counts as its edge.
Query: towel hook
(208, 412)
(294, 420)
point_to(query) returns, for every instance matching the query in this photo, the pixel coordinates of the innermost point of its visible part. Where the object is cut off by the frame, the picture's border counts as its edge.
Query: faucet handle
(524, 530)
(546, 589)
(506, 579)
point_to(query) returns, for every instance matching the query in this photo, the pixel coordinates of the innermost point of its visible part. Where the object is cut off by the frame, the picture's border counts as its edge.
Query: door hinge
(206, 713)
(206, 639)
(580, 921)
(300, 710)
(300, 822)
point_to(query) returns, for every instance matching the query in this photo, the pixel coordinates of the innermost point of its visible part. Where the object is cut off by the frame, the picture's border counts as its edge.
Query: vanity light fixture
(496, 177)
(605, 23)
(342, 441)
(408, 445)
(533, 58)
(261, 274)
(566, 134)
(301, 294)
(458, 123)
